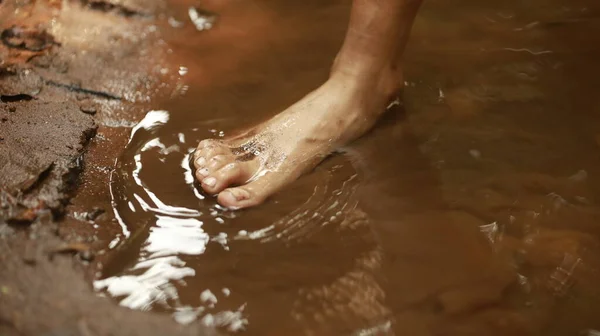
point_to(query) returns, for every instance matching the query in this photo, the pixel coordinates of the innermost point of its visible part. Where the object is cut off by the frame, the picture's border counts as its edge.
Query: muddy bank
(44, 293)
(65, 69)
(71, 74)
(473, 211)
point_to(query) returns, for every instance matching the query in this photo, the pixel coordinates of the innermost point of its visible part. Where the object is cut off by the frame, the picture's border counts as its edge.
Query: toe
(230, 174)
(218, 161)
(201, 173)
(209, 143)
(253, 193)
(199, 161)
(237, 198)
(204, 156)
(206, 166)
(205, 152)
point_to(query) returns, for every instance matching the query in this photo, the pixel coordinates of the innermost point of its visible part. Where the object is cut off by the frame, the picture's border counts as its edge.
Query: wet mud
(69, 72)
(470, 209)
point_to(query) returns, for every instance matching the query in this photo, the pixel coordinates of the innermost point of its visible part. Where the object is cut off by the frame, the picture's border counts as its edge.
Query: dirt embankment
(72, 74)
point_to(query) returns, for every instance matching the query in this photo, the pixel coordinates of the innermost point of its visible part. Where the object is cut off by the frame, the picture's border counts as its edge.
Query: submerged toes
(235, 198)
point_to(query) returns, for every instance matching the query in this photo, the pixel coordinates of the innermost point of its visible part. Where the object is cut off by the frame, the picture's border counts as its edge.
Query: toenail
(203, 171)
(201, 161)
(229, 166)
(210, 181)
(240, 194)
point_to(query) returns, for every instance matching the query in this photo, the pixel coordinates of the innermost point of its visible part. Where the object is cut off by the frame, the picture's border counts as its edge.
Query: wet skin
(366, 76)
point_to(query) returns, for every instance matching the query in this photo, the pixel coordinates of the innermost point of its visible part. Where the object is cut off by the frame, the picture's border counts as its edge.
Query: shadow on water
(471, 209)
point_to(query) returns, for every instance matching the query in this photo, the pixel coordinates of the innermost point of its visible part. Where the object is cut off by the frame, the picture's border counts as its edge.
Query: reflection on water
(169, 225)
(470, 210)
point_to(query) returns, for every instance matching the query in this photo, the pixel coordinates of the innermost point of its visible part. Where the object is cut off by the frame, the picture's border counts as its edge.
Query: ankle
(383, 80)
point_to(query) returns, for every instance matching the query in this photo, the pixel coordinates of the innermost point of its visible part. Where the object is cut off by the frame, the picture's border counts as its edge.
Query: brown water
(471, 209)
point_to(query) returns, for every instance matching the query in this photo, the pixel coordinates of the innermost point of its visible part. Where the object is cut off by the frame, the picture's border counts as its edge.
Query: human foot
(246, 169)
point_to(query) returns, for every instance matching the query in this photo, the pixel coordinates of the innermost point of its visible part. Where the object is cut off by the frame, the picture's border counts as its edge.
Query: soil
(68, 70)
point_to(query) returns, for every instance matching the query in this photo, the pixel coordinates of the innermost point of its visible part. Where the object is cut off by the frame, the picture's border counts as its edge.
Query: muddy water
(471, 209)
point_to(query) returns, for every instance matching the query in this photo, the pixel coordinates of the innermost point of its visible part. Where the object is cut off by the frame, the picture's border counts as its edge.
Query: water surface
(471, 209)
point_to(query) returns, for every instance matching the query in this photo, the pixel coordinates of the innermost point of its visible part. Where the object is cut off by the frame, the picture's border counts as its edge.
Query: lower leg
(365, 76)
(377, 35)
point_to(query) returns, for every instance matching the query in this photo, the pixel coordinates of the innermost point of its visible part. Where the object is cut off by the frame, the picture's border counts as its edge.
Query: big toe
(238, 198)
(253, 193)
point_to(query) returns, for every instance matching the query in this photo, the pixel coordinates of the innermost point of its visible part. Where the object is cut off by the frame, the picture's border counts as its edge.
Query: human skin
(365, 77)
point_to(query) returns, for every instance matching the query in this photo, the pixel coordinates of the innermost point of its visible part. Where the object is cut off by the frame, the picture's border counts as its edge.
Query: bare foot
(246, 169)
